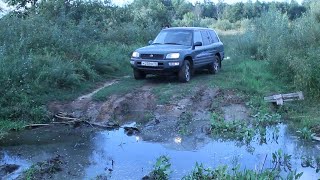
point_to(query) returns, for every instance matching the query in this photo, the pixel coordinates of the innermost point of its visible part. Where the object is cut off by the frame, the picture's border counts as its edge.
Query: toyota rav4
(180, 51)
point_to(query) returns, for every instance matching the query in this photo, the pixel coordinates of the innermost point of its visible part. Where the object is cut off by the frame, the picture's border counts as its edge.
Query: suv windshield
(176, 37)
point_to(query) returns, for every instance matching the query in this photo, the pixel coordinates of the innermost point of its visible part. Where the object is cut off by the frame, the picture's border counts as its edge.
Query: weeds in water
(221, 172)
(238, 130)
(161, 170)
(281, 160)
(43, 169)
(313, 162)
(305, 133)
(200, 173)
(243, 130)
(266, 119)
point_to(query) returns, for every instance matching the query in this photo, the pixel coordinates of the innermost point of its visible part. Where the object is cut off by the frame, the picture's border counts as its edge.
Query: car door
(199, 57)
(209, 46)
(199, 51)
(217, 44)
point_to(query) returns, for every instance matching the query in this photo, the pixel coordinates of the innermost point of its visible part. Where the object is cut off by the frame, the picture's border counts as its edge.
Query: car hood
(162, 49)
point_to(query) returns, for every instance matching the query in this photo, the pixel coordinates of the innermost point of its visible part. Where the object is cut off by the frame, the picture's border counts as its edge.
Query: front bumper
(163, 66)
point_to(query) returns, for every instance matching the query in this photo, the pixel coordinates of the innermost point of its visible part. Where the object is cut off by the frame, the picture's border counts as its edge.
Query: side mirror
(197, 44)
(150, 42)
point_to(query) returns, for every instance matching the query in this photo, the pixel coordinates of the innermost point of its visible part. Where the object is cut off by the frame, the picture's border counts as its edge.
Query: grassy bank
(287, 52)
(49, 53)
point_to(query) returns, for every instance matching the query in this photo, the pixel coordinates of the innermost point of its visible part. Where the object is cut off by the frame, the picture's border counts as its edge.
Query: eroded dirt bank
(188, 115)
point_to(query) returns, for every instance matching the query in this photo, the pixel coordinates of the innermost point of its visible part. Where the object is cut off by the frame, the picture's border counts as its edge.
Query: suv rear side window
(206, 38)
(214, 37)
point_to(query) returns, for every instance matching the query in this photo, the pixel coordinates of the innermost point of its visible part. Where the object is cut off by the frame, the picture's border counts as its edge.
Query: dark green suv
(179, 50)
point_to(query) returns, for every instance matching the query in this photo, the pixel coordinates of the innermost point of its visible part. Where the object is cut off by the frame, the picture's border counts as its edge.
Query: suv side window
(214, 37)
(205, 38)
(197, 37)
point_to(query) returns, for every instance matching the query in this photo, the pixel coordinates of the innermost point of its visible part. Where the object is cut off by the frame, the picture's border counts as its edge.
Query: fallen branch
(73, 122)
(64, 117)
(35, 126)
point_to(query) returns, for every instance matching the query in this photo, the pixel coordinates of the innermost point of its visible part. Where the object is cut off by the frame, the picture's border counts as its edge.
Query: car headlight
(173, 56)
(135, 54)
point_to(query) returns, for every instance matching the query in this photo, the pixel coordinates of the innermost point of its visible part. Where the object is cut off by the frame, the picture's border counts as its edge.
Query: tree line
(164, 12)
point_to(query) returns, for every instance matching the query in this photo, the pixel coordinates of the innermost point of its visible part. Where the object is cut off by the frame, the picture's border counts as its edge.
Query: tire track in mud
(187, 117)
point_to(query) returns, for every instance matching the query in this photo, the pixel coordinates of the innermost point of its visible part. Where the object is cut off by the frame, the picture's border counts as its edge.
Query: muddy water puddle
(87, 153)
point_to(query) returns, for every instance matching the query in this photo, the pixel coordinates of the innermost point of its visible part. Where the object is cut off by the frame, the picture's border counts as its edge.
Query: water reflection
(133, 159)
(178, 140)
(115, 155)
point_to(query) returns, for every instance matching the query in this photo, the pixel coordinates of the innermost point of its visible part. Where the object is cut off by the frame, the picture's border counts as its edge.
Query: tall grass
(291, 48)
(51, 54)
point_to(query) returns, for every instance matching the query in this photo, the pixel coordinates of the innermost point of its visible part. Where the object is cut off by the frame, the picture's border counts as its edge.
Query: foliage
(57, 50)
(244, 130)
(53, 50)
(6, 125)
(281, 160)
(221, 172)
(305, 133)
(43, 170)
(184, 120)
(223, 24)
(289, 48)
(312, 162)
(161, 170)
(239, 130)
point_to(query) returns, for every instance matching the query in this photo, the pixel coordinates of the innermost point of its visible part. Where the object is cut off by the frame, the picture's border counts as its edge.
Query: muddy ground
(187, 115)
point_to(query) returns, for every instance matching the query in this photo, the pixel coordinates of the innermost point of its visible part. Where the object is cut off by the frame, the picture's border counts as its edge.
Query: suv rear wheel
(139, 74)
(185, 72)
(215, 66)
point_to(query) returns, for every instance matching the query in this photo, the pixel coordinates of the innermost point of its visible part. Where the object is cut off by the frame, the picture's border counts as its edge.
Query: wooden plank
(297, 95)
(280, 98)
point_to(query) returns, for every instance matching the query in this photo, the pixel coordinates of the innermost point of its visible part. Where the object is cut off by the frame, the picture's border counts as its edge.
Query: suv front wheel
(185, 72)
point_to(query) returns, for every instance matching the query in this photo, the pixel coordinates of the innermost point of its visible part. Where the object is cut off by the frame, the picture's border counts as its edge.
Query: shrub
(223, 24)
(49, 52)
(290, 47)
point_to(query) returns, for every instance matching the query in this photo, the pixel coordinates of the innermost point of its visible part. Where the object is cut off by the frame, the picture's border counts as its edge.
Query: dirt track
(188, 115)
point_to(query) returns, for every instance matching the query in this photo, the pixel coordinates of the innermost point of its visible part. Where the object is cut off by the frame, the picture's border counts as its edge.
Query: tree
(180, 8)
(198, 10)
(234, 12)
(295, 10)
(248, 10)
(22, 3)
(210, 10)
(150, 12)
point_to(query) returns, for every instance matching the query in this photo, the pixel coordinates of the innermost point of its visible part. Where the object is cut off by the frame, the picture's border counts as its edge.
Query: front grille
(151, 56)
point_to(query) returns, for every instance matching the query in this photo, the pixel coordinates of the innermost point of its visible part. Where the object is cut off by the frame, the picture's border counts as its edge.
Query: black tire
(185, 72)
(215, 66)
(139, 74)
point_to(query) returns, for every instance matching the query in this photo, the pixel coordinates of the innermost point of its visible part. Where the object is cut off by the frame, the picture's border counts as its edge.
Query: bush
(290, 47)
(223, 25)
(43, 56)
